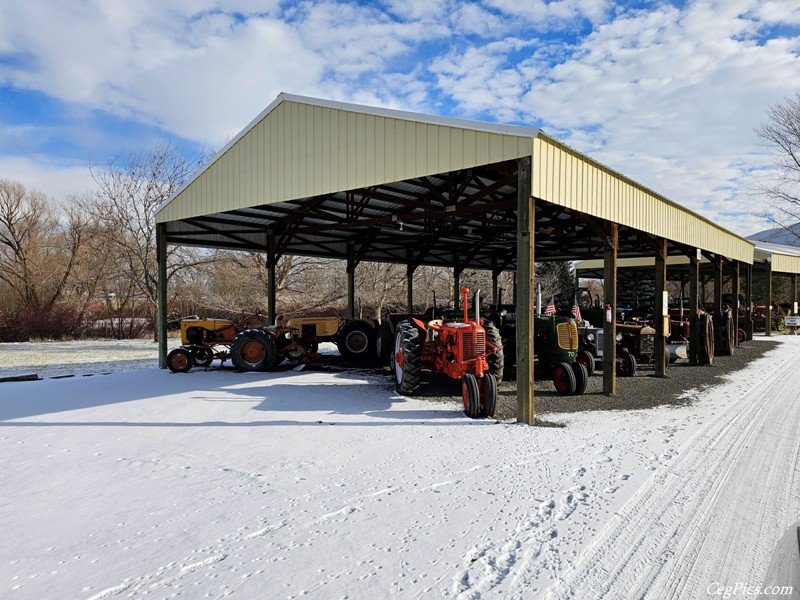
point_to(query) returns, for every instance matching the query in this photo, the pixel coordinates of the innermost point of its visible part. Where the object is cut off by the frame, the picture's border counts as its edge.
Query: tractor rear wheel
(496, 359)
(471, 396)
(179, 360)
(564, 379)
(724, 345)
(253, 350)
(586, 358)
(407, 358)
(384, 343)
(705, 324)
(626, 363)
(581, 377)
(356, 341)
(202, 357)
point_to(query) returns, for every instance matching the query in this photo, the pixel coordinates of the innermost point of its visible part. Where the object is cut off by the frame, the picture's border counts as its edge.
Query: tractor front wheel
(179, 360)
(253, 350)
(488, 393)
(407, 358)
(471, 396)
(356, 341)
(202, 357)
(581, 377)
(626, 363)
(564, 379)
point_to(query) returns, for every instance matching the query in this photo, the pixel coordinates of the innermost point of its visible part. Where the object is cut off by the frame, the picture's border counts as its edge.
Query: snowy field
(78, 358)
(327, 485)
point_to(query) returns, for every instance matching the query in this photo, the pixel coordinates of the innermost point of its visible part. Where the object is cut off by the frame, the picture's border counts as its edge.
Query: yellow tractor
(249, 348)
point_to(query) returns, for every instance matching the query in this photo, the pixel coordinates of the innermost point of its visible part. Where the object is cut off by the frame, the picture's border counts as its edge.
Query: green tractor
(555, 344)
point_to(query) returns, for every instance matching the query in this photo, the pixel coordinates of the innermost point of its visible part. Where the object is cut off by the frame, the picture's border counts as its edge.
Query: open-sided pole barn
(321, 178)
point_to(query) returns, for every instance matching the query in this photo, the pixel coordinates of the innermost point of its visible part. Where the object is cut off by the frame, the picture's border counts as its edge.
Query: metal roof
(784, 259)
(325, 178)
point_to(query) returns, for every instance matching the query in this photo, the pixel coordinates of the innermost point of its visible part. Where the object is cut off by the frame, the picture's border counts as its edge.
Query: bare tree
(377, 284)
(781, 133)
(37, 254)
(130, 190)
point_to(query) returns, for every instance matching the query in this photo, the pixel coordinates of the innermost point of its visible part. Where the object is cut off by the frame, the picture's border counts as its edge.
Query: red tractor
(457, 349)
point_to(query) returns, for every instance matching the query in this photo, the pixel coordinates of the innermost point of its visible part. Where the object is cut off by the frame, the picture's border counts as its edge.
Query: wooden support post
(748, 304)
(735, 284)
(351, 281)
(526, 216)
(610, 313)
(768, 303)
(161, 313)
(793, 293)
(272, 309)
(661, 309)
(719, 332)
(410, 288)
(694, 337)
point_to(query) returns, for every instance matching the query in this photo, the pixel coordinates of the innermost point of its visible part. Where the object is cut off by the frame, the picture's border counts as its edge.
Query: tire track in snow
(712, 514)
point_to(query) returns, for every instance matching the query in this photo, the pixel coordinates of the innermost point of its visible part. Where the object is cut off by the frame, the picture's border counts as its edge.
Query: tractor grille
(471, 351)
(567, 335)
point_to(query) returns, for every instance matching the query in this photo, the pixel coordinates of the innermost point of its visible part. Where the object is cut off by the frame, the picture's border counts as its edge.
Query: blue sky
(668, 93)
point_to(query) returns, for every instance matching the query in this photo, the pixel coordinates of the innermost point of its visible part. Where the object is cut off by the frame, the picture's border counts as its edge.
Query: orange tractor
(457, 349)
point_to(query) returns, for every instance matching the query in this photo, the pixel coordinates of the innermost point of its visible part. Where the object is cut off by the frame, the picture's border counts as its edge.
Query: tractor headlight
(619, 337)
(590, 337)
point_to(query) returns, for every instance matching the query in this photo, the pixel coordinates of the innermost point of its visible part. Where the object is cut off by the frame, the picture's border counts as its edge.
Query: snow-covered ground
(328, 485)
(78, 358)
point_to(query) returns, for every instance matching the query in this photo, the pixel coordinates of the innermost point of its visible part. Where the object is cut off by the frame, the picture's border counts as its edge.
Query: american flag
(551, 309)
(576, 312)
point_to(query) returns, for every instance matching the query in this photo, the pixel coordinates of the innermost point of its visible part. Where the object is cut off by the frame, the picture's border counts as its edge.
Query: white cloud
(201, 70)
(57, 179)
(667, 95)
(542, 14)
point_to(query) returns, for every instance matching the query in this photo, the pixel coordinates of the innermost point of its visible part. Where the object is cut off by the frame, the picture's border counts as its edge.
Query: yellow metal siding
(783, 263)
(562, 176)
(299, 150)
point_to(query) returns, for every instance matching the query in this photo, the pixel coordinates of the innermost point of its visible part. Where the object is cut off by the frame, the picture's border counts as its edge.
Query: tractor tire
(253, 350)
(407, 358)
(202, 357)
(496, 359)
(564, 379)
(180, 360)
(384, 344)
(298, 352)
(471, 395)
(705, 355)
(581, 377)
(488, 393)
(724, 345)
(586, 358)
(356, 341)
(626, 363)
